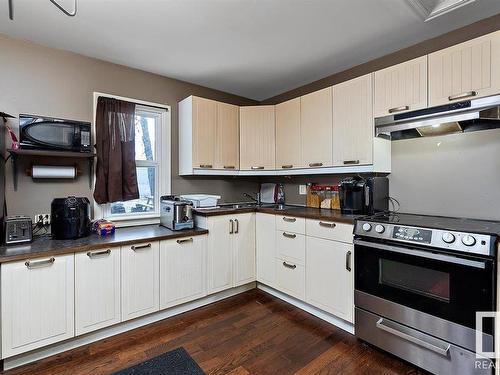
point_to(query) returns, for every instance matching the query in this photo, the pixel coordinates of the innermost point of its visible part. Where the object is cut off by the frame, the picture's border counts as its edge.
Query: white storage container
(202, 200)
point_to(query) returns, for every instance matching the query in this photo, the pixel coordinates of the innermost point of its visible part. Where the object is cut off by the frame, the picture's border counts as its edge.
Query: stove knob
(379, 228)
(448, 237)
(468, 240)
(367, 227)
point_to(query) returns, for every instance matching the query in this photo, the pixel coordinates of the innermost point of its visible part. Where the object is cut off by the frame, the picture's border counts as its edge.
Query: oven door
(450, 287)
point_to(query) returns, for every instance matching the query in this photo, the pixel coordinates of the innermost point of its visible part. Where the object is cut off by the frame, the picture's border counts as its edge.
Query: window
(152, 154)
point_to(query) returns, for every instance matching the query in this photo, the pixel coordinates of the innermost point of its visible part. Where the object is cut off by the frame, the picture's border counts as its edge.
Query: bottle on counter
(280, 196)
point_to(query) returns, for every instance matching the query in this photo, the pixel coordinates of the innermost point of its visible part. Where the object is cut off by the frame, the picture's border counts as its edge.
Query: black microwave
(47, 133)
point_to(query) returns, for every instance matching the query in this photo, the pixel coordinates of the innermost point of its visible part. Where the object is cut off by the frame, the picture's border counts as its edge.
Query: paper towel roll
(52, 171)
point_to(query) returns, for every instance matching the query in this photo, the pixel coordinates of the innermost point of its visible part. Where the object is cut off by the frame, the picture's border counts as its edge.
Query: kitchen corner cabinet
(139, 279)
(37, 299)
(257, 137)
(244, 249)
(401, 88)
(265, 244)
(353, 125)
(288, 135)
(316, 128)
(97, 290)
(182, 270)
(466, 70)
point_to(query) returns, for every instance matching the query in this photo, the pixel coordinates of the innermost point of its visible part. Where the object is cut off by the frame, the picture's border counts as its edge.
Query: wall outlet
(302, 189)
(42, 219)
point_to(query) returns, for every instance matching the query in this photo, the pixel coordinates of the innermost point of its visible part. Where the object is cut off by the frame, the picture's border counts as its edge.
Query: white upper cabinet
(353, 125)
(467, 70)
(257, 137)
(204, 132)
(401, 88)
(288, 135)
(227, 142)
(316, 128)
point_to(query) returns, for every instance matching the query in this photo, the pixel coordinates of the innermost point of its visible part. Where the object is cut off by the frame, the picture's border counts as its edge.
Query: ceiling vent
(430, 9)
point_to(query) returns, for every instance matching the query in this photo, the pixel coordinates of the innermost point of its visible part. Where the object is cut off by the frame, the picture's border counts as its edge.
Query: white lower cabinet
(265, 245)
(291, 278)
(97, 289)
(182, 270)
(37, 303)
(244, 249)
(140, 279)
(329, 276)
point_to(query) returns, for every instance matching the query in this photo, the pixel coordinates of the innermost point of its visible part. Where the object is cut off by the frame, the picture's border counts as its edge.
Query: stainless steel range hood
(466, 116)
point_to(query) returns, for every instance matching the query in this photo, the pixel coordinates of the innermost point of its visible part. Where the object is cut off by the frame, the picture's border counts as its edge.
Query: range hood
(466, 116)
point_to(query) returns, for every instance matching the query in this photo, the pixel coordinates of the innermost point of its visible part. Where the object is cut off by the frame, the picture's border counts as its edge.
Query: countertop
(46, 246)
(296, 211)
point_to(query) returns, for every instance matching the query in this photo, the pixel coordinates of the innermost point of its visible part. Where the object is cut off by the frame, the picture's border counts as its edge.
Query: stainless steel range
(419, 281)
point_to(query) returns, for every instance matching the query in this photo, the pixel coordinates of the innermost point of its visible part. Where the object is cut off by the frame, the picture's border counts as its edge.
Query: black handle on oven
(424, 254)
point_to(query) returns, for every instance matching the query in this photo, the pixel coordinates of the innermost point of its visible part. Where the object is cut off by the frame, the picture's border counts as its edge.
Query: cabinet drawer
(291, 278)
(330, 230)
(291, 246)
(291, 224)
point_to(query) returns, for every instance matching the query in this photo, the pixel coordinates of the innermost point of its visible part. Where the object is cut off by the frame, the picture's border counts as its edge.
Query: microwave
(47, 133)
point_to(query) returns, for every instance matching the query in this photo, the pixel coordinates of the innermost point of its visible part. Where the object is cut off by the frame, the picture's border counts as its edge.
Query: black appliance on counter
(36, 132)
(360, 195)
(419, 282)
(70, 218)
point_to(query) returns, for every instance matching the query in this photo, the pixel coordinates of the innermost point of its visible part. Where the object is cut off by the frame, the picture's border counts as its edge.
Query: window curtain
(116, 176)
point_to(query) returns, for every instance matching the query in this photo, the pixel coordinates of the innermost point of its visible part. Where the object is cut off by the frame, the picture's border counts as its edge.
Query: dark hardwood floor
(252, 333)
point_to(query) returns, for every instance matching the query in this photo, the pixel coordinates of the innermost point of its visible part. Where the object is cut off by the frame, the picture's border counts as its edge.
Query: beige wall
(39, 80)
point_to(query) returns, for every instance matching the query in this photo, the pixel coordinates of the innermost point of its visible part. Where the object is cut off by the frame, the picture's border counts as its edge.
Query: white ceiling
(253, 48)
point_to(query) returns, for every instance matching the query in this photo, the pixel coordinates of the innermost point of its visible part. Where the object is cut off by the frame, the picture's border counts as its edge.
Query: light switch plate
(302, 189)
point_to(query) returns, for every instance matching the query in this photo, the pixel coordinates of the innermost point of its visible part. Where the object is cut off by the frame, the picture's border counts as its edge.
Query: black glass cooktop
(438, 222)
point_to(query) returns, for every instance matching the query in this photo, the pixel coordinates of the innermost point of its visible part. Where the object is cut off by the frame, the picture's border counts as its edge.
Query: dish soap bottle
(280, 196)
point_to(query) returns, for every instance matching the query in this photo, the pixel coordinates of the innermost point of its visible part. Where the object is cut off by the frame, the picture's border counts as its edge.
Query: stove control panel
(412, 234)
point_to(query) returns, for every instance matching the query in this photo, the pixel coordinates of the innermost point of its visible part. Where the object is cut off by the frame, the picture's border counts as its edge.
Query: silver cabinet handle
(237, 230)
(289, 219)
(397, 331)
(39, 263)
(288, 265)
(140, 247)
(231, 226)
(327, 225)
(287, 166)
(289, 235)
(257, 168)
(348, 261)
(315, 164)
(399, 109)
(229, 167)
(346, 162)
(463, 95)
(185, 240)
(205, 165)
(94, 254)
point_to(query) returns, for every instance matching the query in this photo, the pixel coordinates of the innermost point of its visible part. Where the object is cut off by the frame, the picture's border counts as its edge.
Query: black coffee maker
(364, 196)
(70, 218)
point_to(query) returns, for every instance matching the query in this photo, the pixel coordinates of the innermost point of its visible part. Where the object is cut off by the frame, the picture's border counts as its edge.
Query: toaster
(18, 230)
(175, 213)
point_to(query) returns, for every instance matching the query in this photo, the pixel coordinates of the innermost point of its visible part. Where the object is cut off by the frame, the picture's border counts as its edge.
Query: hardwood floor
(252, 333)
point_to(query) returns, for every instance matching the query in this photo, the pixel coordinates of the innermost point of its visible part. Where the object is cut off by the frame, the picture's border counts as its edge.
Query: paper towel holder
(29, 171)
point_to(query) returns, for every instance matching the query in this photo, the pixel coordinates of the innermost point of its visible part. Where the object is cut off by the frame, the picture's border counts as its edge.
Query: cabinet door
(329, 276)
(353, 125)
(140, 279)
(244, 249)
(401, 88)
(182, 270)
(227, 150)
(37, 303)
(464, 71)
(97, 290)
(220, 253)
(265, 232)
(288, 134)
(204, 132)
(316, 128)
(257, 137)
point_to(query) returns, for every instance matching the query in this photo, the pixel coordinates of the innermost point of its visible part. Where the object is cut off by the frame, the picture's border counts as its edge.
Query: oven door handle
(443, 351)
(424, 254)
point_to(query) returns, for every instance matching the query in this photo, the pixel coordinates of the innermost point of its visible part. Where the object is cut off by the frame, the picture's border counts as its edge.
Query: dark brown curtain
(116, 177)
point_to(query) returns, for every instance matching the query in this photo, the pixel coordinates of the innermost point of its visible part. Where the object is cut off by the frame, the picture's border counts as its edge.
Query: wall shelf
(15, 154)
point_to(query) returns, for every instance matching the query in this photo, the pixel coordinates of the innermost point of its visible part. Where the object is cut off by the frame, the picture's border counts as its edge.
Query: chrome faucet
(255, 199)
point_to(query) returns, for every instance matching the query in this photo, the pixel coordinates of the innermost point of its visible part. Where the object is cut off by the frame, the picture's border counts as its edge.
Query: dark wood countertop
(46, 246)
(296, 211)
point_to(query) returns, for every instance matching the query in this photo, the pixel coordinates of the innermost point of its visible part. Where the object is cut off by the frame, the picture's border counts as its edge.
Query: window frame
(162, 164)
